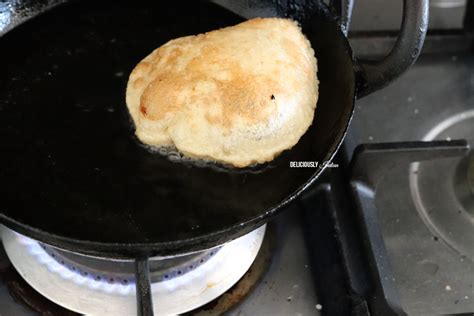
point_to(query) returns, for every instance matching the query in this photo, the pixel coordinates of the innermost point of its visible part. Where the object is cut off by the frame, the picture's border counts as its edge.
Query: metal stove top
(428, 234)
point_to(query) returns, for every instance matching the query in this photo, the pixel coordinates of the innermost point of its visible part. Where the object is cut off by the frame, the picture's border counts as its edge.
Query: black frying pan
(74, 175)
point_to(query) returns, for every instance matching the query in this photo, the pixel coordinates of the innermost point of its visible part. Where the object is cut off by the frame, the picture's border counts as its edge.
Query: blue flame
(45, 259)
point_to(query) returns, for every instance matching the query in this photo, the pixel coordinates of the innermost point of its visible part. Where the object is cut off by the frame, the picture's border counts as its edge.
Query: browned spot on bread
(240, 101)
(138, 82)
(142, 68)
(143, 110)
(173, 56)
(160, 97)
(212, 119)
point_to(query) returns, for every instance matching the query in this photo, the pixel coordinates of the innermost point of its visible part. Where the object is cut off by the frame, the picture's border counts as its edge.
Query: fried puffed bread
(238, 95)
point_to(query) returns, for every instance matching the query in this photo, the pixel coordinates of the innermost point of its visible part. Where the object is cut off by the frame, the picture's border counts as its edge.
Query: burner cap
(123, 271)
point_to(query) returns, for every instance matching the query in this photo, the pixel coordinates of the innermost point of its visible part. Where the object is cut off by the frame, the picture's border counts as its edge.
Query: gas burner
(123, 272)
(443, 190)
(92, 285)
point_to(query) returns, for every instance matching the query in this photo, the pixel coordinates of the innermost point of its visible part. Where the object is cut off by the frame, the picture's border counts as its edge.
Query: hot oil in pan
(173, 155)
(69, 150)
(69, 154)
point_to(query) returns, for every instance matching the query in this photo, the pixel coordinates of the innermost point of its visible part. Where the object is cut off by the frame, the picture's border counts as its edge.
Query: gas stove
(93, 285)
(388, 232)
(277, 280)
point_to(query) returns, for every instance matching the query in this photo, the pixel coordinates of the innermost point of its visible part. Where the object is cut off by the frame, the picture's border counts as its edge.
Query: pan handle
(374, 75)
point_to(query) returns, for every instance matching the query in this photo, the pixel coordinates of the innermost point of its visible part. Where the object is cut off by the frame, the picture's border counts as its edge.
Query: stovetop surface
(432, 276)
